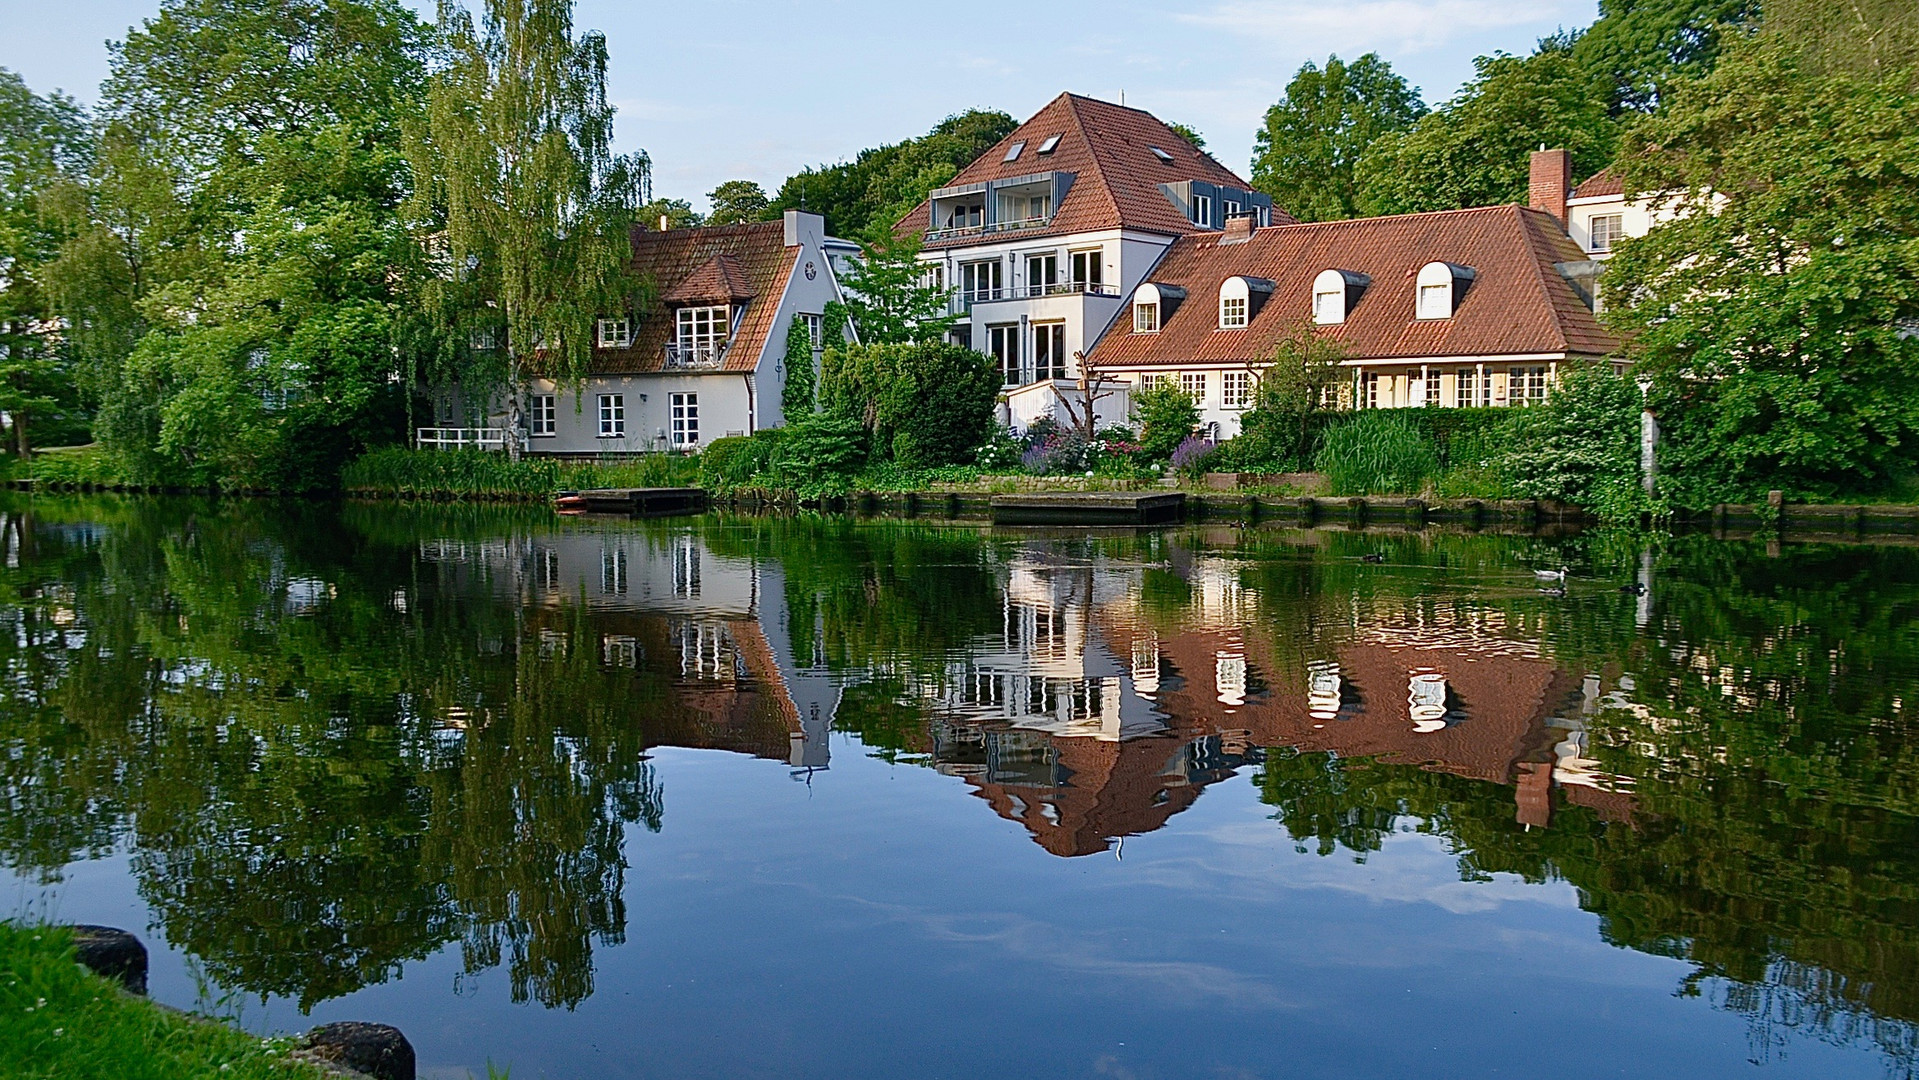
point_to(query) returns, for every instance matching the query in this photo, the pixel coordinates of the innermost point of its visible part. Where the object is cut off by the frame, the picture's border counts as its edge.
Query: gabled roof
(1109, 148)
(1607, 181)
(1518, 302)
(747, 264)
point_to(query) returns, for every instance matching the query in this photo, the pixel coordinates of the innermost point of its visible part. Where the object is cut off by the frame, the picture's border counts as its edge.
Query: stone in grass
(377, 1050)
(112, 953)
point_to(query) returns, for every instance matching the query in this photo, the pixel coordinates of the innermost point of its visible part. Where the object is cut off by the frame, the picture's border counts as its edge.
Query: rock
(377, 1050)
(113, 953)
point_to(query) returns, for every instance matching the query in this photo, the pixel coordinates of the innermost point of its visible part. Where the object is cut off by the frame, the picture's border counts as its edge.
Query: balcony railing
(991, 228)
(1072, 288)
(455, 438)
(695, 357)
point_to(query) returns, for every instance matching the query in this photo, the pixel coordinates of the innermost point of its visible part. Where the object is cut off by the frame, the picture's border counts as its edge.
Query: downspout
(751, 409)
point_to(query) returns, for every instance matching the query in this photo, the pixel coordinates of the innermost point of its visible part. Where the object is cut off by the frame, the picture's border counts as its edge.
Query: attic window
(1440, 287)
(1162, 155)
(1334, 294)
(1051, 143)
(1013, 151)
(1240, 299)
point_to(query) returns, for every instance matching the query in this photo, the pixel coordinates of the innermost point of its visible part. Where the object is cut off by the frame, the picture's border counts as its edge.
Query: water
(738, 797)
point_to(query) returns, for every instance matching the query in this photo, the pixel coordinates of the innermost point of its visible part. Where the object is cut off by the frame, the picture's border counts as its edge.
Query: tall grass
(1377, 452)
(476, 474)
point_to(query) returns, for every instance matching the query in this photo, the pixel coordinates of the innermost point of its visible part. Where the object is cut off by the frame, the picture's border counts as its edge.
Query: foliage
(1581, 445)
(797, 397)
(818, 454)
(678, 214)
(1189, 457)
(890, 298)
(1772, 315)
(736, 202)
(1292, 390)
(1638, 50)
(1189, 133)
(64, 1021)
(1376, 452)
(77, 465)
(413, 474)
(515, 176)
(863, 198)
(1475, 150)
(1313, 138)
(923, 404)
(1167, 415)
(732, 461)
(1002, 451)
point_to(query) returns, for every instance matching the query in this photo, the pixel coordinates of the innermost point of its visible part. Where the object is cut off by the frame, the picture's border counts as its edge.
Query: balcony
(964, 299)
(991, 228)
(705, 356)
(458, 438)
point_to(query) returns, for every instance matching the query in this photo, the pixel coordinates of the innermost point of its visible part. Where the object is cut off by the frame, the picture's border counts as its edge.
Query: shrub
(1002, 451)
(1582, 445)
(1167, 415)
(1377, 452)
(1190, 456)
(818, 453)
(732, 461)
(924, 404)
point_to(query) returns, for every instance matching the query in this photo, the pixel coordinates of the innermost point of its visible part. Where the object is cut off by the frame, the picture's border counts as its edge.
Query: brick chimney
(1239, 229)
(1551, 182)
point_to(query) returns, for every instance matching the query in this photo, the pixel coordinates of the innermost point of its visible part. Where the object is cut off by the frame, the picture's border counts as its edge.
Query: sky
(758, 89)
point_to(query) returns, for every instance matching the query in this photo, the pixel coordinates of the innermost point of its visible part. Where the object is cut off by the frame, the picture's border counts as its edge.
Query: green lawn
(57, 1020)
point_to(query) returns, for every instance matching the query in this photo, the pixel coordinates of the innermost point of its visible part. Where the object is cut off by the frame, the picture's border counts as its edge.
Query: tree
(891, 298)
(514, 169)
(1167, 415)
(1475, 150)
(797, 398)
(925, 403)
(1190, 134)
(1638, 49)
(1313, 138)
(863, 198)
(676, 213)
(1291, 389)
(1774, 314)
(736, 202)
(42, 139)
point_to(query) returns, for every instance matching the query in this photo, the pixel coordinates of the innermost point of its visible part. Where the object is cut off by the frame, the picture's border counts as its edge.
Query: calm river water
(752, 797)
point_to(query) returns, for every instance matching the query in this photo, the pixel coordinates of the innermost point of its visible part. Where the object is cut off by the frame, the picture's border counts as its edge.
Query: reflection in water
(336, 741)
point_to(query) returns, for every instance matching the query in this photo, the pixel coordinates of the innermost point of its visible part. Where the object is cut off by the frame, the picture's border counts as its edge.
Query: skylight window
(1013, 151)
(1161, 154)
(1051, 144)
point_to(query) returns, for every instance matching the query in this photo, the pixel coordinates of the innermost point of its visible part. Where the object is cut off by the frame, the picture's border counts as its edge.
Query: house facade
(704, 356)
(1043, 238)
(1456, 308)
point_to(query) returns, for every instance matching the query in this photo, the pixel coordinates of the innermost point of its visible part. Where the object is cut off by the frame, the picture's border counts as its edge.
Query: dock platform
(652, 502)
(1090, 508)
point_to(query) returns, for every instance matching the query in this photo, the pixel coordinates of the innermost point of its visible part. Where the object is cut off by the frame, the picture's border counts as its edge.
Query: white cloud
(1388, 26)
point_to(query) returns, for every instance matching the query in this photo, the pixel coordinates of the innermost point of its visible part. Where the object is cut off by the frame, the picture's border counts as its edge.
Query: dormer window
(615, 333)
(1153, 305)
(1013, 151)
(1203, 210)
(1240, 299)
(1439, 289)
(700, 334)
(1334, 294)
(1146, 318)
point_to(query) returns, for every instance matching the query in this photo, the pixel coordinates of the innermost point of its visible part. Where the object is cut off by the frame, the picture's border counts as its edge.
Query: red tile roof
(1606, 181)
(1517, 303)
(1110, 149)
(740, 263)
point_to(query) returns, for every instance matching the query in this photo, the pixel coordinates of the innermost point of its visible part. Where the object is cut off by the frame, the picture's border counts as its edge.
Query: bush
(1377, 452)
(75, 465)
(1582, 445)
(1167, 415)
(408, 473)
(1191, 455)
(1002, 452)
(923, 404)
(819, 453)
(736, 459)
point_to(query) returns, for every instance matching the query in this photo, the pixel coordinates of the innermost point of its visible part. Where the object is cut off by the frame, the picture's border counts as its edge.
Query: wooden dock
(651, 502)
(1090, 508)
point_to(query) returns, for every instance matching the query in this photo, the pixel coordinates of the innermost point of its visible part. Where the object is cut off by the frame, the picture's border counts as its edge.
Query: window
(1042, 273)
(1333, 290)
(612, 416)
(1089, 270)
(1607, 229)
(1236, 389)
(1145, 318)
(686, 568)
(1432, 389)
(1232, 312)
(1231, 207)
(1526, 386)
(815, 326)
(540, 414)
(1164, 157)
(702, 334)
(981, 280)
(1439, 288)
(1002, 344)
(1435, 301)
(686, 419)
(615, 333)
(1027, 208)
(1370, 381)
(1193, 385)
(613, 570)
(1013, 151)
(484, 339)
(1329, 306)
(966, 216)
(1203, 210)
(1051, 143)
(1466, 388)
(1049, 351)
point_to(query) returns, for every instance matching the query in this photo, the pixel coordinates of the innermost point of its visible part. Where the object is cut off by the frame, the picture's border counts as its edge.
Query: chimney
(663, 223)
(1551, 182)
(1239, 229)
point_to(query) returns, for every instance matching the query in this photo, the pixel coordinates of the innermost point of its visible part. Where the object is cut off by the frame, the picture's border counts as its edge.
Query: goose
(1554, 590)
(1551, 575)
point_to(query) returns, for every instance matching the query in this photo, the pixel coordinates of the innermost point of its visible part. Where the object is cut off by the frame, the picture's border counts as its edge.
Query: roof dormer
(1334, 294)
(1154, 304)
(1240, 298)
(1439, 289)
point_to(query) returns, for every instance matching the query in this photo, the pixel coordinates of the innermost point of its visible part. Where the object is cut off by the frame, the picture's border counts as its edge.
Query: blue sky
(756, 89)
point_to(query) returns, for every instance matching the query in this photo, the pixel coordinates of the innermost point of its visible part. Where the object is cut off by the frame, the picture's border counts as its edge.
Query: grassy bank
(399, 472)
(65, 1023)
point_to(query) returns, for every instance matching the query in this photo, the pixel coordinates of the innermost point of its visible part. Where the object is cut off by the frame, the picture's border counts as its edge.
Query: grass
(90, 464)
(476, 474)
(60, 1022)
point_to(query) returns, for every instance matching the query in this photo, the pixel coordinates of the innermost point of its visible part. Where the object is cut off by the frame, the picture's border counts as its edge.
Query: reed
(399, 472)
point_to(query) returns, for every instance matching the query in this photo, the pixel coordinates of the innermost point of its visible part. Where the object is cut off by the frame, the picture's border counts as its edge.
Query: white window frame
(1232, 312)
(1195, 385)
(541, 415)
(1602, 240)
(612, 416)
(615, 333)
(1203, 211)
(684, 413)
(1086, 269)
(1049, 350)
(815, 327)
(1466, 391)
(1236, 389)
(1145, 318)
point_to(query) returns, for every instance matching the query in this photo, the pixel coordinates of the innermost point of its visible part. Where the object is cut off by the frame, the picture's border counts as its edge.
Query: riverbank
(66, 1022)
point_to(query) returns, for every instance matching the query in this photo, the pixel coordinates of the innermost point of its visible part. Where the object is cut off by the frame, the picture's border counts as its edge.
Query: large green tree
(1638, 49)
(864, 197)
(735, 202)
(1475, 150)
(1306, 153)
(519, 190)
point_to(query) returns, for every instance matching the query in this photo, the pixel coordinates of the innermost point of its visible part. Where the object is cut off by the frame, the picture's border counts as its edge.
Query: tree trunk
(20, 447)
(515, 420)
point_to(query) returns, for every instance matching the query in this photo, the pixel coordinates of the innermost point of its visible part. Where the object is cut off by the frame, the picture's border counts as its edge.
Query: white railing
(454, 438)
(695, 356)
